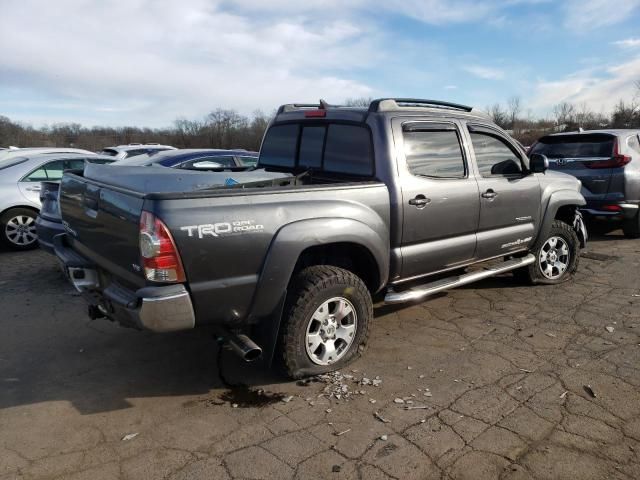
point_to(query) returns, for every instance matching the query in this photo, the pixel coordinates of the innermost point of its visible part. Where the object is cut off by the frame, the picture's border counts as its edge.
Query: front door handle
(420, 201)
(489, 194)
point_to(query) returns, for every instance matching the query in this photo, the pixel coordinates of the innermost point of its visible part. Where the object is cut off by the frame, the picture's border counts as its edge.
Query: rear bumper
(46, 230)
(605, 210)
(158, 309)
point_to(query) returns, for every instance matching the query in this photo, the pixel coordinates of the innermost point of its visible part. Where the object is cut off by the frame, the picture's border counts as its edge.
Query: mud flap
(580, 228)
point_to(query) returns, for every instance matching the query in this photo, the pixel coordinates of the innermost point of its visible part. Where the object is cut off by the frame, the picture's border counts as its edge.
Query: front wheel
(326, 321)
(18, 229)
(556, 256)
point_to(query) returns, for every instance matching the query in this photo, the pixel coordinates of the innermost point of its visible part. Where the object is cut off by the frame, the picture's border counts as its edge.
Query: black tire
(312, 287)
(8, 233)
(631, 227)
(533, 273)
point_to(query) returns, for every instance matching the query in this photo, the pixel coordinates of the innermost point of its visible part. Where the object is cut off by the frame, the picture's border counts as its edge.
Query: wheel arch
(13, 207)
(561, 206)
(328, 241)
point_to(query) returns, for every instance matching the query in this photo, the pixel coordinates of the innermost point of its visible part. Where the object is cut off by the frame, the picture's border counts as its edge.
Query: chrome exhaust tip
(244, 347)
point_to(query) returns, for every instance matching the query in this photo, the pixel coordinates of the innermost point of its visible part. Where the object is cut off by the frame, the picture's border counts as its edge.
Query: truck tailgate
(103, 225)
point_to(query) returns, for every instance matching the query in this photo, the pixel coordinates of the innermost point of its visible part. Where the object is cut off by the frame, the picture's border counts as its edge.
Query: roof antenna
(323, 104)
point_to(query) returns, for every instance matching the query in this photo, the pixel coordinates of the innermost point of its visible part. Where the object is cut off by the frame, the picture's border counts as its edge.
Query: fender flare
(558, 199)
(294, 238)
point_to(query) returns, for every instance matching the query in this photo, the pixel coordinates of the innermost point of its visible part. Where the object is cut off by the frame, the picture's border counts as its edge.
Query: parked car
(394, 199)
(13, 152)
(607, 162)
(205, 159)
(49, 221)
(20, 179)
(133, 149)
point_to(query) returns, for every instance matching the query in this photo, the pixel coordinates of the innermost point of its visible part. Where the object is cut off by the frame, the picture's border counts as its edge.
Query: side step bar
(418, 293)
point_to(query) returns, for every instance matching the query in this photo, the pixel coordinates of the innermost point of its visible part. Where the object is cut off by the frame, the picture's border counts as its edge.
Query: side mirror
(538, 163)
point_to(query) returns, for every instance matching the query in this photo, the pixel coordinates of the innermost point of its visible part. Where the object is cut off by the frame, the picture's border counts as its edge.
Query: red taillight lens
(616, 161)
(315, 113)
(612, 208)
(160, 257)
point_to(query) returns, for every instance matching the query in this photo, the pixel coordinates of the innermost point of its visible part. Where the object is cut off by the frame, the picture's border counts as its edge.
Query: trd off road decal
(222, 228)
(519, 241)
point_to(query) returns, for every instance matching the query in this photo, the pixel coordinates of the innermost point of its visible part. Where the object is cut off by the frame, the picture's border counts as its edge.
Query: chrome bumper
(159, 309)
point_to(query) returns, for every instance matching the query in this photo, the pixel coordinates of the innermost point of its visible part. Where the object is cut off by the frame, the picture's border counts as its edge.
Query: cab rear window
(330, 147)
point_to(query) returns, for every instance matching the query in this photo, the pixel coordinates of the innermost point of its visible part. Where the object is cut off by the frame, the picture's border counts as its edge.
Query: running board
(418, 293)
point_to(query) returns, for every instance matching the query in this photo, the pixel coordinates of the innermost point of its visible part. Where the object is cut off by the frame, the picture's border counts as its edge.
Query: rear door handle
(489, 194)
(420, 201)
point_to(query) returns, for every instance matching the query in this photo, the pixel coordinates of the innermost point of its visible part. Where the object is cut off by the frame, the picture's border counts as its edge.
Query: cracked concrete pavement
(504, 368)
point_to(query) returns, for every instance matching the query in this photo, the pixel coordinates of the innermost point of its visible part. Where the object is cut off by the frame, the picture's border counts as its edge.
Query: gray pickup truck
(397, 201)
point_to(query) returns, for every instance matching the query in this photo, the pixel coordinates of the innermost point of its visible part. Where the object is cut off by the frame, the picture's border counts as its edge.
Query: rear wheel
(326, 321)
(556, 256)
(18, 229)
(631, 227)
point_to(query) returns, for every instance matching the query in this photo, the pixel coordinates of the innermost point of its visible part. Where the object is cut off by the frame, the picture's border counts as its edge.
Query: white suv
(131, 150)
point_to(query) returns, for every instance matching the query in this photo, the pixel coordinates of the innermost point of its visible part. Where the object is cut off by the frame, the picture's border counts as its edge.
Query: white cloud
(583, 16)
(628, 43)
(486, 73)
(183, 57)
(600, 89)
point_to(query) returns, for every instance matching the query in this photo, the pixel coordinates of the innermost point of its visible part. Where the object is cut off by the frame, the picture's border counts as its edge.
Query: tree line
(223, 128)
(219, 129)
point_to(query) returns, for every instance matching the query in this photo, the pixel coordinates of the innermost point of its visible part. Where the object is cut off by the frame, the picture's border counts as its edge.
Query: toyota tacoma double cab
(397, 201)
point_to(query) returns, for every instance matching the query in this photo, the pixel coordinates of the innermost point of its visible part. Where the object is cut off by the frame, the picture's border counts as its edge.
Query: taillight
(160, 258)
(616, 161)
(612, 208)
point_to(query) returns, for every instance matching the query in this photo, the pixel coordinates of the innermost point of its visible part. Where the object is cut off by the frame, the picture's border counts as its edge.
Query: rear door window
(49, 171)
(433, 152)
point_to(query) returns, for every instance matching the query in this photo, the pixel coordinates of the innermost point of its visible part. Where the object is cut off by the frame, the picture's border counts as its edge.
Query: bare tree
(564, 114)
(514, 106)
(498, 115)
(358, 102)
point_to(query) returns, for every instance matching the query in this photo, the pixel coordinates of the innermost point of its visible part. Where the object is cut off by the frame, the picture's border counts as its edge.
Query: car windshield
(575, 146)
(109, 151)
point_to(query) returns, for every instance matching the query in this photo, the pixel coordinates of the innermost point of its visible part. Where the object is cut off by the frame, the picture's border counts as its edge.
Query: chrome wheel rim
(21, 230)
(331, 331)
(554, 258)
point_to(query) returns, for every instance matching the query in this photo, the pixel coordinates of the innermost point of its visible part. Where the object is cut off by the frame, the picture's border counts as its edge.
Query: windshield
(109, 151)
(575, 146)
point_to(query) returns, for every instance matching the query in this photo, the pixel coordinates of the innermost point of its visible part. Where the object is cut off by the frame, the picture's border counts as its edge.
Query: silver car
(134, 149)
(20, 177)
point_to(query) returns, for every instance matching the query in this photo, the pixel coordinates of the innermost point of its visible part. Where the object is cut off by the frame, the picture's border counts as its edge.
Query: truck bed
(101, 213)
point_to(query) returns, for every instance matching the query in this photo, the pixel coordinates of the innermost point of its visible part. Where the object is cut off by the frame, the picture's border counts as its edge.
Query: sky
(148, 62)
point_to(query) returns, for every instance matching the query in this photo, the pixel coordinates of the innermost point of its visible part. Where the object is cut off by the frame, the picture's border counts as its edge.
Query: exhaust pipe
(244, 347)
